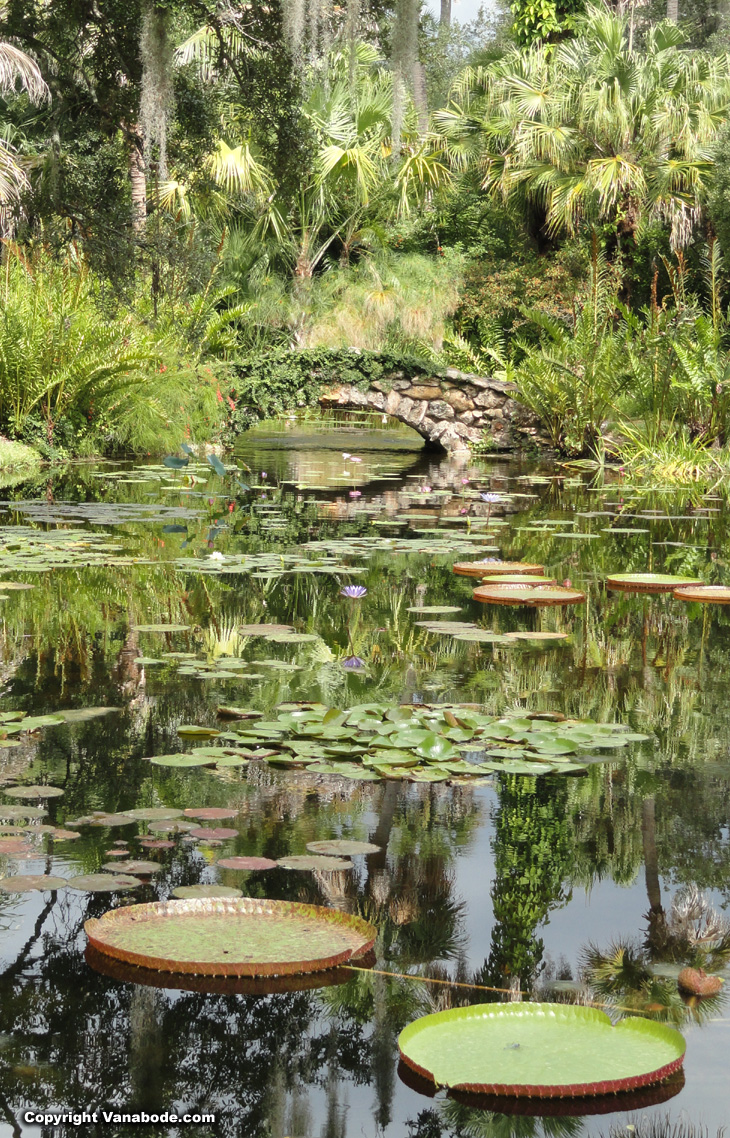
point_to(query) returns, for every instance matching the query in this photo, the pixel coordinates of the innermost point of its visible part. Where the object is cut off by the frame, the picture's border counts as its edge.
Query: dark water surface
(476, 883)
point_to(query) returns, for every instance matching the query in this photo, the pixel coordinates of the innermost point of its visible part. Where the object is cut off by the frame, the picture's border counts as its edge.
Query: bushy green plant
(72, 377)
(573, 379)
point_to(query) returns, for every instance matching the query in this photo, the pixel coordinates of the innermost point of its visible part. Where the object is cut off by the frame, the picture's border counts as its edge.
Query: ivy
(271, 383)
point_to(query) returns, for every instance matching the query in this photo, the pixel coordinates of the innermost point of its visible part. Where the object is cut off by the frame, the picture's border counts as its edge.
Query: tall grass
(383, 304)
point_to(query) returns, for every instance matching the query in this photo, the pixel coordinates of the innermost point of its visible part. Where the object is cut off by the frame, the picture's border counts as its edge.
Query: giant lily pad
(231, 936)
(160, 628)
(705, 594)
(488, 567)
(536, 596)
(539, 1050)
(648, 582)
(211, 813)
(137, 868)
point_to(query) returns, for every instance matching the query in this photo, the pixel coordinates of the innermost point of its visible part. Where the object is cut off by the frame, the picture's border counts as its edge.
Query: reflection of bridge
(452, 412)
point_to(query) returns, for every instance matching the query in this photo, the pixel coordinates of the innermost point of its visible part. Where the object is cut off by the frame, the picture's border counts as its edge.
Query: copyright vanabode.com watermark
(85, 1117)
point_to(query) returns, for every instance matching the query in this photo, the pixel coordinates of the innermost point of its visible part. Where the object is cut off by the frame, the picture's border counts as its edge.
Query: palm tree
(599, 127)
(16, 69)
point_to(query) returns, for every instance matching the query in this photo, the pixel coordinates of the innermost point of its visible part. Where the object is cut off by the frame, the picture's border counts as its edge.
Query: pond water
(488, 880)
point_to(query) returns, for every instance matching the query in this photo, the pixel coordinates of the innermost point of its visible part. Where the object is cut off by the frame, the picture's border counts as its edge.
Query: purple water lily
(353, 663)
(491, 498)
(353, 592)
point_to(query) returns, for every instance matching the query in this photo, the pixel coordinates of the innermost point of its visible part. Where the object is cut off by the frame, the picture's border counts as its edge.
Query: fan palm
(597, 128)
(16, 70)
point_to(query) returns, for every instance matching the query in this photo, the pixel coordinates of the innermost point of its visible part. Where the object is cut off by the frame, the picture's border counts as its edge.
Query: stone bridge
(452, 412)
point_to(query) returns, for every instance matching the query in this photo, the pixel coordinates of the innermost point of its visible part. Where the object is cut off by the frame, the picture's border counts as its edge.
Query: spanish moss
(156, 52)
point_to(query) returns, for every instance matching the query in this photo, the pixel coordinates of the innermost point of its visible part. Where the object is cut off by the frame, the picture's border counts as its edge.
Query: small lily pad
(184, 892)
(214, 833)
(211, 813)
(31, 792)
(246, 864)
(342, 847)
(314, 862)
(31, 883)
(141, 868)
(103, 882)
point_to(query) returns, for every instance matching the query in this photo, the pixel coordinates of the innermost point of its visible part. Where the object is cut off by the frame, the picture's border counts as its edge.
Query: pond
(139, 599)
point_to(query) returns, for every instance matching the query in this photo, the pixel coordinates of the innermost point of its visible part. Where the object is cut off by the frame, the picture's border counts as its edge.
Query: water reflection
(535, 853)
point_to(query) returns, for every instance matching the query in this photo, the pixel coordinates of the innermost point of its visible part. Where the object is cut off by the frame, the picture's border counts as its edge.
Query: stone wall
(452, 412)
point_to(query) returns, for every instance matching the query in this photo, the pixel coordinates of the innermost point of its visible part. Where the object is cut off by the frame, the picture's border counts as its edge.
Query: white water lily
(216, 556)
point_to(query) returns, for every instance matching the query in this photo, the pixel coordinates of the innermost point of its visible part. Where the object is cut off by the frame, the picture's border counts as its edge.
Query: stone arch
(451, 412)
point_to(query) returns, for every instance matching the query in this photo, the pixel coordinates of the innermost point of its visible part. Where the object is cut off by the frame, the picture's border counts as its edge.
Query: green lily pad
(427, 610)
(136, 868)
(154, 813)
(648, 582)
(184, 892)
(31, 883)
(10, 813)
(31, 792)
(231, 936)
(103, 882)
(313, 862)
(341, 847)
(182, 760)
(540, 1050)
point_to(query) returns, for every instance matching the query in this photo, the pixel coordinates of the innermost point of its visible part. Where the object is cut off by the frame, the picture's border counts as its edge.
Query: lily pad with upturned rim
(648, 582)
(531, 596)
(705, 594)
(231, 936)
(487, 568)
(539, 1050)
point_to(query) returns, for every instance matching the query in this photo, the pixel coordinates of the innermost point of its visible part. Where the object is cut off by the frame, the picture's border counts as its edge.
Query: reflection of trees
(532, 848)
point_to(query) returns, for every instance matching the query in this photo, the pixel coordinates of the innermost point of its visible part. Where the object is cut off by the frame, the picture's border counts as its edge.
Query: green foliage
(275, 382)
(72, 378)
(600, 127)
(544, 19)
(571, 381)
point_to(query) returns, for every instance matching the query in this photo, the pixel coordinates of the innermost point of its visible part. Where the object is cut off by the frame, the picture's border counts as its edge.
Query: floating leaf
(31, 792)
(231, 936)
(211, 813)
(705, 594)
(531, 596)
(314, 862)
(141, 868)
(31, 883)
(214, 833)
(493, 565)
(511, 1049)
(184, 892)
(342, 847)
(648, 582)
(103, 882)
(155, 813)
(246, 863)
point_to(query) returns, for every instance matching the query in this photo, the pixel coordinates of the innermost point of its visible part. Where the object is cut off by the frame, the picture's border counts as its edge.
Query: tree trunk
(445, 18)
(419, 96)
(657, 933)
(137, 177)
(673, 11)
